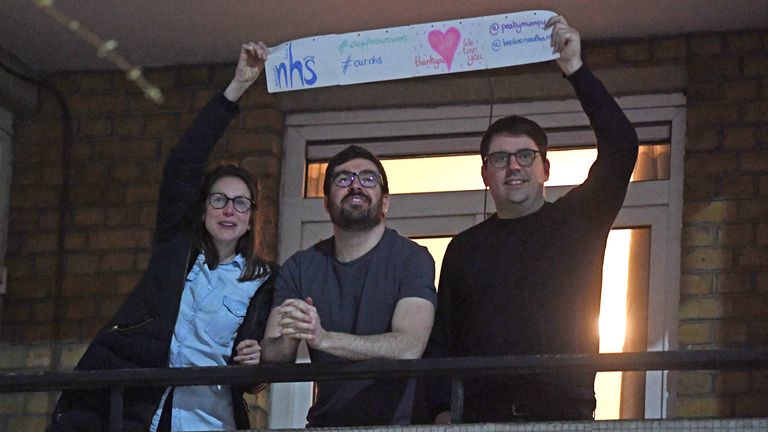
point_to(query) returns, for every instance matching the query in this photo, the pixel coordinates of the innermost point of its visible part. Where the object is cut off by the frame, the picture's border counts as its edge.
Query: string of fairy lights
(104, 48)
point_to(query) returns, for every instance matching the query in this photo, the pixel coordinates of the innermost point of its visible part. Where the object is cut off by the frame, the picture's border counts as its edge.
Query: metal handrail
(458, 368)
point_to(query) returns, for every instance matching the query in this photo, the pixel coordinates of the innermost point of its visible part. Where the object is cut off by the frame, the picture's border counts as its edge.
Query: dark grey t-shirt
(359, 297)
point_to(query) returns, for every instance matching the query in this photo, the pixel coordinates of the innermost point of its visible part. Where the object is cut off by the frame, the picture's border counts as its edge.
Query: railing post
(457, 400)
(116, 408)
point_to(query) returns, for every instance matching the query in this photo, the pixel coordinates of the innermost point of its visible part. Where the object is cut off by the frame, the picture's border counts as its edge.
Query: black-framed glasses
(367, 178)
(241, 204)
(524, 158)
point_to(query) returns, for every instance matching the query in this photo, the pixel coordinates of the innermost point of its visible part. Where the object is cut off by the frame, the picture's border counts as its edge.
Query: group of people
(525, 281)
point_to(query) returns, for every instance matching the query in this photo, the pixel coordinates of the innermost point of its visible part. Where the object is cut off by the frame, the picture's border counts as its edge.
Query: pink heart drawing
(445, 44)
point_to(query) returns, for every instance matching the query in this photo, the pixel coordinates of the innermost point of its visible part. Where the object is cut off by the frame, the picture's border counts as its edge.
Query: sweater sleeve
(184, 170)
(617, 146)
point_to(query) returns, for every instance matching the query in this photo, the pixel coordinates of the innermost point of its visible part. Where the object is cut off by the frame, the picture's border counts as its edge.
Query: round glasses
(367, 178)
(240, 203)
(524, 158)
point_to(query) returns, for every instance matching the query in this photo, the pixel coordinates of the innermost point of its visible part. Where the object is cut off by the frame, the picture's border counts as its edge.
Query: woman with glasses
(205, 296)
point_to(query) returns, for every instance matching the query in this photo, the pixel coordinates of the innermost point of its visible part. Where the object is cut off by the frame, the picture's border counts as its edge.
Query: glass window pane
(462, 172)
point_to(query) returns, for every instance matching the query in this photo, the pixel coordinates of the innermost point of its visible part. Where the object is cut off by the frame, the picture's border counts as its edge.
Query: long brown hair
(255, 266)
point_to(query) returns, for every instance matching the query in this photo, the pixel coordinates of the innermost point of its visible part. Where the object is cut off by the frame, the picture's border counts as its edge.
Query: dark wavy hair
(255, 266)
(515, 126)
(346, 155)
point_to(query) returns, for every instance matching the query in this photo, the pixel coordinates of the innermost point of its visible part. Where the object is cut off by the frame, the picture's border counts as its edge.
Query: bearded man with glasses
(527, 280)
(365, 293)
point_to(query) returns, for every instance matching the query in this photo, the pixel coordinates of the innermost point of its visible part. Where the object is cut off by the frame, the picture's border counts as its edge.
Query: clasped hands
(299, 320)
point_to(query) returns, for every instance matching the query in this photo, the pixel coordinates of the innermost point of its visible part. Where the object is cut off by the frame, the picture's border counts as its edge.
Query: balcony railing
(456, 368)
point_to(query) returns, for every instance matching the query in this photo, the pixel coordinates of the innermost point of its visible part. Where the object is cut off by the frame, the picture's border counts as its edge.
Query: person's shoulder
(321, 249)
(475, 232)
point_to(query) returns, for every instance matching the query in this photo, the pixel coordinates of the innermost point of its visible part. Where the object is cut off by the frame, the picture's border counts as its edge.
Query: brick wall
(120, 142)
(724, 287)
(121, 139)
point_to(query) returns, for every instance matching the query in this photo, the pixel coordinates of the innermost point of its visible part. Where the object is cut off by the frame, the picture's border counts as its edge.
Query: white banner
(404, 52)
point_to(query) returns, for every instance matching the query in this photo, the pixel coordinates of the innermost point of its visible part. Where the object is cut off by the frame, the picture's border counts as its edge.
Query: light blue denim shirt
(213, 307)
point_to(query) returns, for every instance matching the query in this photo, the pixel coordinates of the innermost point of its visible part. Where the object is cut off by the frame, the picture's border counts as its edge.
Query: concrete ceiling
(167, 32)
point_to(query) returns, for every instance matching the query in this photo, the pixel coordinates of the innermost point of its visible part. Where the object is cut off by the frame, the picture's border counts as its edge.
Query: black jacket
(139, 334)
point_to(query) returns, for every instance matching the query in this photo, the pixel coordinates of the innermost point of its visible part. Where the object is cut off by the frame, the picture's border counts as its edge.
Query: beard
(356, 217)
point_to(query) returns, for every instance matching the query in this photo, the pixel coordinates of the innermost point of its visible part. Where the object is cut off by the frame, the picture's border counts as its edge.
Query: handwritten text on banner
(404, 52)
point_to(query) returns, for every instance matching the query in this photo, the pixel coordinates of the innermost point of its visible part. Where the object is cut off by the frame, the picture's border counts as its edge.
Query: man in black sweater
(528, 279)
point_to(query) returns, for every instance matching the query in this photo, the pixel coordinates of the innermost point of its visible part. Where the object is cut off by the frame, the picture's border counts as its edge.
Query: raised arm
(185, 167)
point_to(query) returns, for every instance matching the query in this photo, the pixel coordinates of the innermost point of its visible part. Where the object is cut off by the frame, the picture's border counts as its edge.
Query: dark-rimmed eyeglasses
(524, 158)
(241, 204)
(367, 178)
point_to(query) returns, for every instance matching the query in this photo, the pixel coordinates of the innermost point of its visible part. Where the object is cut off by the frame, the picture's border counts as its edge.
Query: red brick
(263, 119)
(140, 194)
(51, 175)
(42, 311)
(696, 284)
(128, 125)
(753, 257)
(748, 210)
(119, 239)
(91, 172)
(762, 234)
(702, 116)
(96, 82)
(737, 187)
(89, 194)
(698, 235)
(19, 267)
(37, 131)
(701, 308)
(94, 127)
(88, 217)
(21, 220)
(739, 138)
(601, 55)
(729, 382)
(742, 90)
(141, 148)
(109, 306)
(706, 45)
(730, 333)
(99, 104)
(49, 219)
(34, 197)
(74, 241)
(695, 333)
(708, 406)
(122, 217)
(262, 165)
(124, 284)
(746, 306)
(756, 65)
(751, 405)
(736, 235)
(125, 171)
(669, 49)
(115, 262)
(87, 285)
(713, 68)
(707, 91)
(82, 264)
(37, 242)
(192, 76)
(34, 332)
(728, 283)
(744, 43)
(755, 111)
(694, 383)
(29, 288)
(635, 52)
(81, 308)
(45, 265)
(162, 124)
(714, 211)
